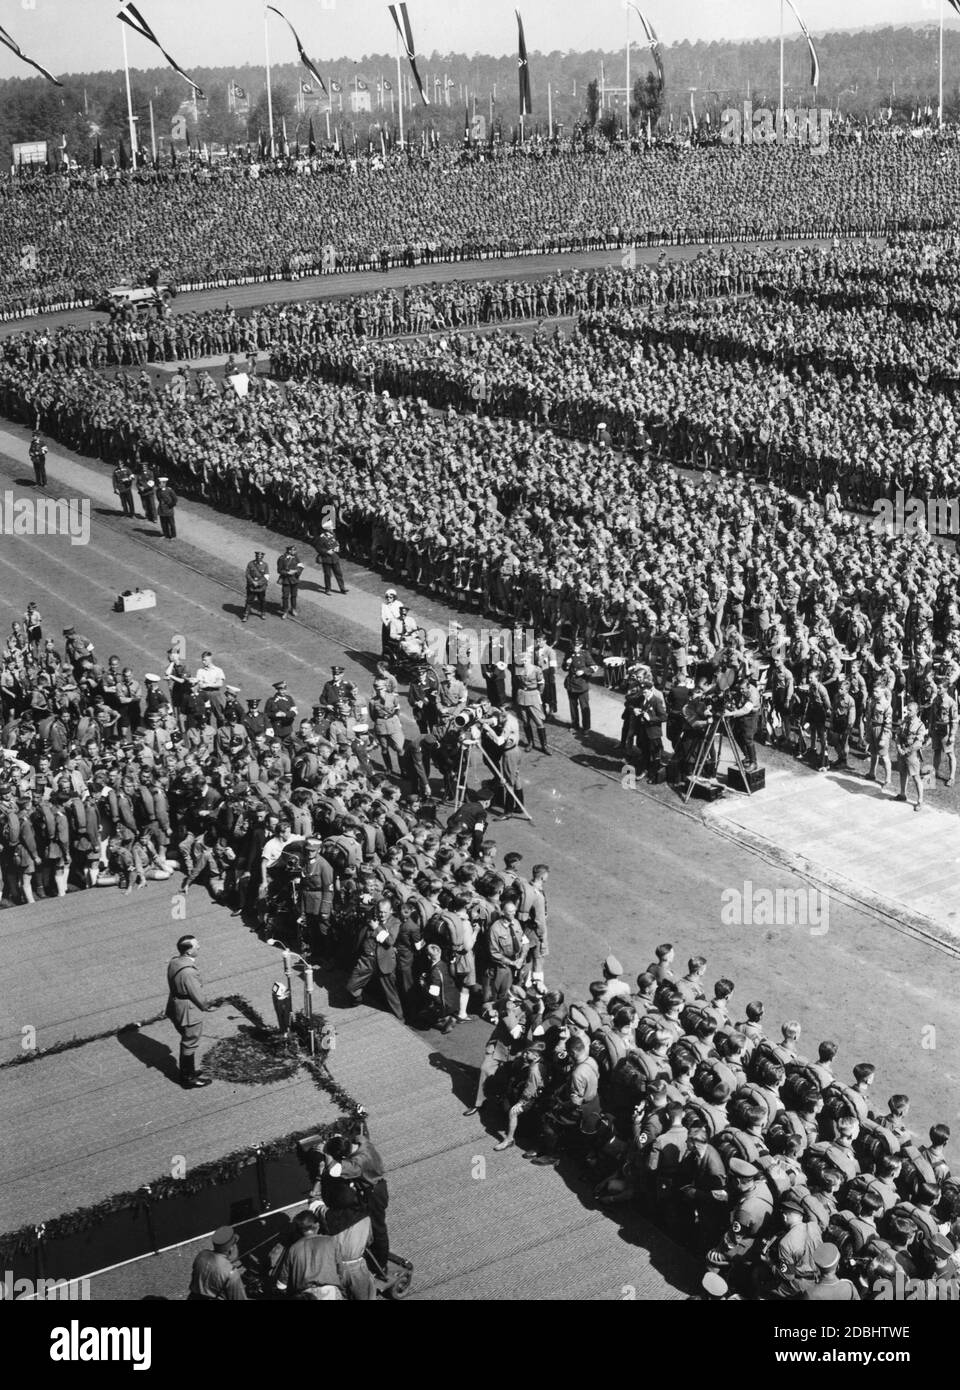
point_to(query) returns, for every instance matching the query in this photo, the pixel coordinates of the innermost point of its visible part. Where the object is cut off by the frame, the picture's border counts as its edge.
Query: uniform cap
(742, 1170)
(792, 1201)
(826, 1256)
(233, 689)
(279, 685)
(258, 554)
(253, 700)
(150, 676)
(337, 670)
(612, 966)
(714, 1285)
(223, 1237)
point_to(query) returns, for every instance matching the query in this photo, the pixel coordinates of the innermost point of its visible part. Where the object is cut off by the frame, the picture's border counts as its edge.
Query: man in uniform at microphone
(257, 577)
(185, 1009)
(289, 570)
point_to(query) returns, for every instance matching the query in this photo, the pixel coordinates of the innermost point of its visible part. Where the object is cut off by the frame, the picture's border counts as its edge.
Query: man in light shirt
(212, 682)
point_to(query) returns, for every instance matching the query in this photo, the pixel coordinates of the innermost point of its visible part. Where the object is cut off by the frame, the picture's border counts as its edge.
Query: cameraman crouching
(745, 713)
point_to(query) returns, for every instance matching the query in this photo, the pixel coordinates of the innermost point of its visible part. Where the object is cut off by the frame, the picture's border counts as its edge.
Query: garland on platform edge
(212, 1174)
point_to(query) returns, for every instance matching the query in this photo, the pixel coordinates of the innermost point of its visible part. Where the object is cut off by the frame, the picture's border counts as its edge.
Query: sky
(85, 36)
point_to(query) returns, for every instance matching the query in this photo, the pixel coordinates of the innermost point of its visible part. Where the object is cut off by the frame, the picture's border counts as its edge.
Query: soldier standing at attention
(289, 570)
(185, 1009)
(257, 577)
(123, 481)
(38, 457)
(579, 669)
(328, 555)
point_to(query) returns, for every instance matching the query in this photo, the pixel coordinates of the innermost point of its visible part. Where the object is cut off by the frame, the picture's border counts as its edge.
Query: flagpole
(266, 55)
(940, 98)
(628, 73)
(400, 88)
(781, 59)
(549, 112)
(153, 135)
(126, 74)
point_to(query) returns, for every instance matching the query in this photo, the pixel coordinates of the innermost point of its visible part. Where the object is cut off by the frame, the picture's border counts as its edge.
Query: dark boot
(190, 1078)
(542, 736)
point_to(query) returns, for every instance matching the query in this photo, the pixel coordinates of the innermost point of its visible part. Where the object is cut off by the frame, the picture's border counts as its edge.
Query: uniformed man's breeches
(289, 595)
(332, 569)
(255, 598)
(189, 1039)
(579, 709)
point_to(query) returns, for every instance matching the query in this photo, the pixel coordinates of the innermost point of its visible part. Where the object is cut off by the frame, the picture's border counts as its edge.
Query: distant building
(358, 98)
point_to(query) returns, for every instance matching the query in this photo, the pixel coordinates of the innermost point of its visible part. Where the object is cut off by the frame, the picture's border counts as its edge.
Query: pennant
(955, 4)
(402, 20)
(693, 115)
(98, 155)
(814, 60)
(311, 141)
(305, 88)
(238, 93)
(653, 43)
(311, 69)
(14, 47)
(523, 67)
(140, 26)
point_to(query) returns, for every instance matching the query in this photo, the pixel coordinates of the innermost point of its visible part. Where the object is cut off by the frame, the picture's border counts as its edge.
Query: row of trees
(862, 72)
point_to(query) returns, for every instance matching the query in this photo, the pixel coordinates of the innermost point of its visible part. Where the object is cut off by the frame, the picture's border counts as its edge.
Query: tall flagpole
(400, 88)
(781, 58)
(153, 135)
(628, 73)
(126, 74)
(266, 53)
(549, 111)
(940, 98)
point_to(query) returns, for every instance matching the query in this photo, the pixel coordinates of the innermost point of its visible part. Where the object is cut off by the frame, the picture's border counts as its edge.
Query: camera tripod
(718, 728)
(466, 765)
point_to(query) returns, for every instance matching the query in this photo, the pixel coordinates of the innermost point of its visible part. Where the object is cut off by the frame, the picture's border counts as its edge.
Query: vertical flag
(98, 155)
(523, 67)
(814, 61)
(311, 142)
(693, 114)
(402, 20)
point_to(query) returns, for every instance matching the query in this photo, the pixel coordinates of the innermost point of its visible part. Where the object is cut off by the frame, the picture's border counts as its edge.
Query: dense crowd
(131, 338)
(806, 430)
(709, 1118)
(67, 239)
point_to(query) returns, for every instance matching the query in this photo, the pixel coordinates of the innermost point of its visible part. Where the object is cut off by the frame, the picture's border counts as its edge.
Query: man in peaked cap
(255, 721)
(289, 570)
(256, 578)
(215, 1277)
(828, 1288)
(281, 711)
(616, 986)
(751, 1209)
